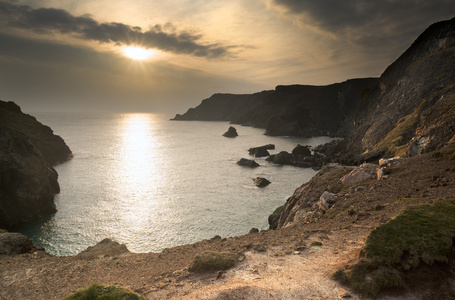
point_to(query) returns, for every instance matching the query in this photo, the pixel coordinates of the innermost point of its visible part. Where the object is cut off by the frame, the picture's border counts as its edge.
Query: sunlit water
(152, 183)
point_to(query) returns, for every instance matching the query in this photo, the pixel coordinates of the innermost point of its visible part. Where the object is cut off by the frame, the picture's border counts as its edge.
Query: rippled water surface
(152, 183)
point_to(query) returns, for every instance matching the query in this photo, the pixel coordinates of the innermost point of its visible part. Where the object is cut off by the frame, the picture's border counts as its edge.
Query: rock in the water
(261, 151)
(282, 158)
(300, 150)
(232, 132)
(14, 243)
(247, 163)
(261, 182)
(27, 182)
(103, 248)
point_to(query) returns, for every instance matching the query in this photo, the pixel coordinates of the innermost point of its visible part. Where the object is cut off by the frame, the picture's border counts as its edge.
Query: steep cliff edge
(295, 110)
(28, 182)
(51, 146)
(411, 110)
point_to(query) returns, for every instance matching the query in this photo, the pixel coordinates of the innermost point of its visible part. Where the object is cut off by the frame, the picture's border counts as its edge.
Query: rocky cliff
(411, 109)
(295, 110)
(51, 146)
(28, 182)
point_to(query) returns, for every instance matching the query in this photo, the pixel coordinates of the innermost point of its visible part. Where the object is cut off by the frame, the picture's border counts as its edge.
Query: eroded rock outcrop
(28, 184)
(51, 146)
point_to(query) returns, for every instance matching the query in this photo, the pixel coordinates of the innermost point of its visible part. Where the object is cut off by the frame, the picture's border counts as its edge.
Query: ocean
(151, 183)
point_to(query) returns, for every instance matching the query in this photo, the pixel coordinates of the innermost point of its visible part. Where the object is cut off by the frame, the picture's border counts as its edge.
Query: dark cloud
(337, 15)
(50, 20)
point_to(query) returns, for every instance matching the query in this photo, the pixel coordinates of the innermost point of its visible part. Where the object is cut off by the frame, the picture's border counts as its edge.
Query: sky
(166, 56)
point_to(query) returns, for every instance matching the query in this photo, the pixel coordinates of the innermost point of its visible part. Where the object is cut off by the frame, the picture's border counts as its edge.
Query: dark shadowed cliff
(411, 110)
(28, 182)
(295, 110)
(51, 146)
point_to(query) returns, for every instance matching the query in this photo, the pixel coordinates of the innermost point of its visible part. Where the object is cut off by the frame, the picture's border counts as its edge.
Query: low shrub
(101, 292)
(213, 261)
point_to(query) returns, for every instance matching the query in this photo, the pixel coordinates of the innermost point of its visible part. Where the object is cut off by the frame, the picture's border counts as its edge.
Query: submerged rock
(247, 163)
(232, 132)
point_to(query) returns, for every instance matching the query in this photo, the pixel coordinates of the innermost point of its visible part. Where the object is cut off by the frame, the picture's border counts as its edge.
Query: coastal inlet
(151, 183)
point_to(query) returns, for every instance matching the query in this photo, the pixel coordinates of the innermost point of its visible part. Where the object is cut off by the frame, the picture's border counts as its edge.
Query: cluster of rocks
(301, 156)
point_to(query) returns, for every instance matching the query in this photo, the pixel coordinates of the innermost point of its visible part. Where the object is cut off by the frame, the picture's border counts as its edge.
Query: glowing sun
(138, 53)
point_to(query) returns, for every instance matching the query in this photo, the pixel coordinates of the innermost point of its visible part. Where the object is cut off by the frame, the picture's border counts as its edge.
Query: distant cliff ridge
(408, 111)
(28, 182)
(294, 110)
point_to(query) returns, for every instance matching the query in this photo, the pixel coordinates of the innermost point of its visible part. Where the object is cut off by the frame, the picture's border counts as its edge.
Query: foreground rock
(15, 243)
(232, 132)
(28, 184)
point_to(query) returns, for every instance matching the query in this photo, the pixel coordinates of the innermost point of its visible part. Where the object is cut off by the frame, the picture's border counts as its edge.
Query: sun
(138, 53)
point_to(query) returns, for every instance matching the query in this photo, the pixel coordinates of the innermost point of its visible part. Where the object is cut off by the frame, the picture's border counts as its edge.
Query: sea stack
(232, 132)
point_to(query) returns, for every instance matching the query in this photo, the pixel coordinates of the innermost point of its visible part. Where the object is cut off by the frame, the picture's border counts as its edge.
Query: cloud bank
(358, 20)
(46, 21)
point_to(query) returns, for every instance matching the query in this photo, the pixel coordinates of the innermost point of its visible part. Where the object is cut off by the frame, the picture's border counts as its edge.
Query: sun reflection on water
(138, 173)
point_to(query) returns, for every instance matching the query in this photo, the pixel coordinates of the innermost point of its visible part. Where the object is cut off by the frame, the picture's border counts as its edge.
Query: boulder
(261, 151)
(326, 200)
(356, 175)
(261, 182)
(389, 162)
(247, 163)
(27, 182)
(232, 132)
(15, 243)
(300, 150)
(282, 158)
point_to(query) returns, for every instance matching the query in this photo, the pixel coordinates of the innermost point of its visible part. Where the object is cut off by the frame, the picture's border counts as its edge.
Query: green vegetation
(395, 141)
(213, 261)
(420, 234)
(101, 292)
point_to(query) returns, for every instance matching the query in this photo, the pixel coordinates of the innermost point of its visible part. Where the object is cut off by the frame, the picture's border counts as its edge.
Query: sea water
(152, 183)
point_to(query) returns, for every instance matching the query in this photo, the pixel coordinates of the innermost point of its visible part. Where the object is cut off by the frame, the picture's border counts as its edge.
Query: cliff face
(408, 111)
(51, 146)
(28, 182)
(296, 110)
(411, 110)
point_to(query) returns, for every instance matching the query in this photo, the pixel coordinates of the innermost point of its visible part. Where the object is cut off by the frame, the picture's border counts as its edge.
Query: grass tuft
(213, 261)
(420, 234)
(100, 292)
